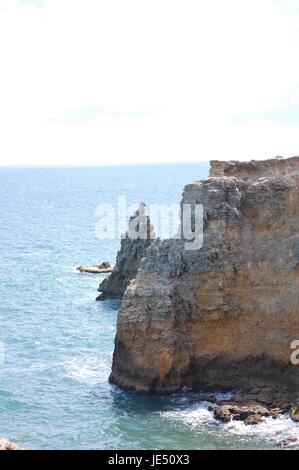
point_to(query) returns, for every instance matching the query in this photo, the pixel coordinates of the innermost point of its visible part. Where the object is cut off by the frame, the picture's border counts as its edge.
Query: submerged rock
(287, 442)
(222, 316)
(133, 248)
(209, 398)
(5, 444)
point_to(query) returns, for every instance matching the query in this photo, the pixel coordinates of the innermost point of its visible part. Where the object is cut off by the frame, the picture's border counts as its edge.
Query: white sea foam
(73, 270)
(196, 416)
(199, 417)
(89, 371)
(268, 429)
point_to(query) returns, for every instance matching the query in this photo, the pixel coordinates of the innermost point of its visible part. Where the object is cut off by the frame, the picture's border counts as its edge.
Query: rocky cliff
(225, 315)
(128, 259)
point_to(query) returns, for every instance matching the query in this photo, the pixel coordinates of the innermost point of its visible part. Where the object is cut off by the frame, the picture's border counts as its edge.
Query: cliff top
(255, 168)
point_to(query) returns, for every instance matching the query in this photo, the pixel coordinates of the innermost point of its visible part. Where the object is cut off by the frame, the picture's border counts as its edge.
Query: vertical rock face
(223, 316)
(132, 250)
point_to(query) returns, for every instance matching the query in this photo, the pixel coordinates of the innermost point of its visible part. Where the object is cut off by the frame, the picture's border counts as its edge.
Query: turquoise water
(54, 390)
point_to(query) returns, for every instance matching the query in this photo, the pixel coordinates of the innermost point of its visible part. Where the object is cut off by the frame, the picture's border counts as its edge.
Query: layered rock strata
(225, 315)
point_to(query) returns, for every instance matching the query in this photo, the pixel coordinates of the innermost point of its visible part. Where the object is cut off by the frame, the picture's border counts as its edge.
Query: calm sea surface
(54, 390)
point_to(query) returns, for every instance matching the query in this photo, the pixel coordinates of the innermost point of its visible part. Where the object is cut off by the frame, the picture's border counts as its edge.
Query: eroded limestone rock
(223, 316)
(251, 413)
(129, 257)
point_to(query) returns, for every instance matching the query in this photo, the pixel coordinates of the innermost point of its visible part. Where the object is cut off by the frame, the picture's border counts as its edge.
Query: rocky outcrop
(5, 444)
(278, 399)
(250, 414)
(224, 315)
(295, 414)
(102, 268)
(278, 166)
(132, 250)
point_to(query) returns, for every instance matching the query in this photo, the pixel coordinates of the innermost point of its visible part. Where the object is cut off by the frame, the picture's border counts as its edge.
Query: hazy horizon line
(99, 165)
(118, 164)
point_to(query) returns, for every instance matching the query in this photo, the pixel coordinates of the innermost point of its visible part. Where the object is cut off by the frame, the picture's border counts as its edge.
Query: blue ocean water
(54, 390)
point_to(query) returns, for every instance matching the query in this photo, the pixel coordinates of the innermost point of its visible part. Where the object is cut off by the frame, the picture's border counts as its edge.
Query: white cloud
(95, 81)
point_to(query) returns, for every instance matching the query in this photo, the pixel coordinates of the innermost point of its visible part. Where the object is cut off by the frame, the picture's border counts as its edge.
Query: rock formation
(102, 268)
(249, 414)
(222, 316)
(256, 168)
(133, 247)
(5, 444)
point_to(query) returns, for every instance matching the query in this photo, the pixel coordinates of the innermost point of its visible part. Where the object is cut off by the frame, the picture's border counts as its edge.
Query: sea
(56, 341)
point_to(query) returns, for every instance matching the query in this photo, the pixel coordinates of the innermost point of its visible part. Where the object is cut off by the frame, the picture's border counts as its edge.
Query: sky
(100, 82)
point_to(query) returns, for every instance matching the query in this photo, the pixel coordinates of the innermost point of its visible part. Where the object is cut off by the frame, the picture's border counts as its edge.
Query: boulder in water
(96, 269)
(6, 444)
